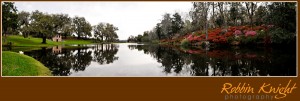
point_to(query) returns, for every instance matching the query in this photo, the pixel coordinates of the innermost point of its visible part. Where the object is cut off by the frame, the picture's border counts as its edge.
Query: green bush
(155, 41)
(260, 36)
(282, 36)
(249, 40)
(230, 39)
(185, 43)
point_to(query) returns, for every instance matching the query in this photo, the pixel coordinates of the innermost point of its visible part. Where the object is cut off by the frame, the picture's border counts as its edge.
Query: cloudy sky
(132, 18)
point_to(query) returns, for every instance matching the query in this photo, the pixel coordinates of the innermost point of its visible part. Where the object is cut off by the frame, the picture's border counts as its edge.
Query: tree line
(44, 25)
(209, 15)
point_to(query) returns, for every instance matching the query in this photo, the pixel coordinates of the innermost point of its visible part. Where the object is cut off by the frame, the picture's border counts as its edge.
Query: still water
(131, 59)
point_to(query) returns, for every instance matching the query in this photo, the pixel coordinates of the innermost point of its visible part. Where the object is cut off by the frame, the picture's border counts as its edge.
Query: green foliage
(185, 43)
(158, 31)
(230, 39)
(155, 41)
(9, 18)
(15, 64)
(145, 39)
(166, 26)
(82, 27)
(246, 40)
(177, 23)
(283, 14)
(282, 36)
(106, 30)
(219, 21)
(63, 24)
(261, 15)
(23, 21)
(249, 40)
(261, 35)
(234, 11)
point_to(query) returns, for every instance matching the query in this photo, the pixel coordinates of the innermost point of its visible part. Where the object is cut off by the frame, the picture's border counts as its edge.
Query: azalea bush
(237, 32)
(250, 33)
(248, 40)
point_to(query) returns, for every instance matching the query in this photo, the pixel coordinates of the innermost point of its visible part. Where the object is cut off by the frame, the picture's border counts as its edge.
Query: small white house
(57, 38)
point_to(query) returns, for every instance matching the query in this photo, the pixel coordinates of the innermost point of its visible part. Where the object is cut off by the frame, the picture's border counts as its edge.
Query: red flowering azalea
(202, 35)
(227, 34)
(215, 40)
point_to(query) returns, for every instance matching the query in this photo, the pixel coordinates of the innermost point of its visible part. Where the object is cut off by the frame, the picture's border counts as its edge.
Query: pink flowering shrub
(250, 33)
(237, 32)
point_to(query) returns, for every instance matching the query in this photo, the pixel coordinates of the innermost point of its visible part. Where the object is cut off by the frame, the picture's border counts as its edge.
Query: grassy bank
(20, 41)
(15, 64)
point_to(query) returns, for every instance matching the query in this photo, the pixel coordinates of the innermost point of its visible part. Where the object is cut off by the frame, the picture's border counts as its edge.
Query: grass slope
(15, 64)
(37, 42)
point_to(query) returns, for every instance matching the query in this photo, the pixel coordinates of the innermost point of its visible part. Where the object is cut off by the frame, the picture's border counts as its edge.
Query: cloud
(132, 18)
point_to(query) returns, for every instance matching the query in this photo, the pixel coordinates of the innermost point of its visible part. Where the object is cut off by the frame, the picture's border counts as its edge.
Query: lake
(132, 59)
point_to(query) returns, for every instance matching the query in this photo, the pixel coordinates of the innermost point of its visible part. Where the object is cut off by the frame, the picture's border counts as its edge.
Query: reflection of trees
(139, 48)
(105, 53)
(248, 62)
(83, 59)
(76, 59)
(60, 64)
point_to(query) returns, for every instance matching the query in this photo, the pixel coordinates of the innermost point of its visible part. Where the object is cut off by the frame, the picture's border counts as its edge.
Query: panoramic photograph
(149, 39)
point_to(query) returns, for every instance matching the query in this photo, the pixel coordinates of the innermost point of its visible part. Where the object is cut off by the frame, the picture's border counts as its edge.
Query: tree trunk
(44, 40)
(213, 15)
(65, 36)
(251, 21)
(78, 36)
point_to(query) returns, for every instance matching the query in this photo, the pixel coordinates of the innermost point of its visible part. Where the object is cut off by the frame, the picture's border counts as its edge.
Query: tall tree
(9, 18)
(67, 28)
(213, 14)
(82, 27)
(166, 26)
(260, 15)
(111, 34)
(62, 24)
(177, 24)
(221, 11)
(158, 31)
(251, 7)
(233, 12)
(200, 14)
(23, 22)
(99, 31)
(283, 14)
(43, 25)
(107, 31)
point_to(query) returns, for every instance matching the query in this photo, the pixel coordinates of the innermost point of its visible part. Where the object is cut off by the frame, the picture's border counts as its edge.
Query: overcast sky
(132, 18)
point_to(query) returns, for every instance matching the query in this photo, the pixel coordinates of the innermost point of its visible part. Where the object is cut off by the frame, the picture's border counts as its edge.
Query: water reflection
(223, 62)
(105, 54)
(62, 61)
(163, 60)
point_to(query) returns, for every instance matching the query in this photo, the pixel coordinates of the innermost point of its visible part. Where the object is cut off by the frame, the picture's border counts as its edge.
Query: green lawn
(15, 64)
(37, 42)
